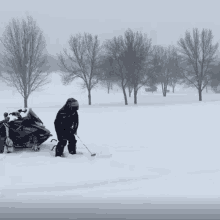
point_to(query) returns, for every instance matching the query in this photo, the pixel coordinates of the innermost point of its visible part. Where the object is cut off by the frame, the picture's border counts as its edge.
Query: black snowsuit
(66, 125)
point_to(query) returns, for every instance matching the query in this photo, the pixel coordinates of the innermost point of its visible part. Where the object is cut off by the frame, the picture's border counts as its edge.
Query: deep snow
(163, 148)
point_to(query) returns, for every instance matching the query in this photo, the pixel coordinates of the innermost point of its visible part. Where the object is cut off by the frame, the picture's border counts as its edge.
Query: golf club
(54, 145)
(86, 147)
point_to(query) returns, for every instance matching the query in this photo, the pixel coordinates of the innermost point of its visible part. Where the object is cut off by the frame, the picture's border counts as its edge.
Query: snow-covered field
(162, 150)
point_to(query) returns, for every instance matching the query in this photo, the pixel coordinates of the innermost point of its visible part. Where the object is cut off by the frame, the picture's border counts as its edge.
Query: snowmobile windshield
(31, 115)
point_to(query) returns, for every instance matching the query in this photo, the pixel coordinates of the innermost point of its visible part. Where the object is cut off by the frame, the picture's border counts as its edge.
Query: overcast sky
(163, 20)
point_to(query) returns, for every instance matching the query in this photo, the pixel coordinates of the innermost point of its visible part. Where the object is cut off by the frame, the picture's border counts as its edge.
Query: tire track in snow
(12, 192)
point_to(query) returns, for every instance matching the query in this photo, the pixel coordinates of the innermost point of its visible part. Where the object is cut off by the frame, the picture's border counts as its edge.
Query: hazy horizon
(164, 21)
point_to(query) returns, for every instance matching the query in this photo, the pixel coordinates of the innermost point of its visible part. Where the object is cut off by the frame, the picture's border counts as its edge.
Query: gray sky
(163, 20)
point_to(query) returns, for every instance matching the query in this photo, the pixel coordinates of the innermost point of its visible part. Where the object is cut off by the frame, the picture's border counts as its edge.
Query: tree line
(129, 61)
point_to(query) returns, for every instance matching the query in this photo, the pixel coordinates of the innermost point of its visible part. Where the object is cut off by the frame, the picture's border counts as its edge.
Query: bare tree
(198, 52)
(175, 77)
(107, 78)
(84, 63)
(106, 82)
(114, 53)
(130, 88)
(215, 77)
(23, 59)
(131, 58)
(166, 61)
(137, 51)
(173, 82)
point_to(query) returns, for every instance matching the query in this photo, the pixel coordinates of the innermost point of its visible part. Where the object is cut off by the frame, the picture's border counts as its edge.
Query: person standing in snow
(66, 125)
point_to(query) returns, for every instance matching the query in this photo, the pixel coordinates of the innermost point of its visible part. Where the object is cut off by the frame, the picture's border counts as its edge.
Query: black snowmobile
(24, 132)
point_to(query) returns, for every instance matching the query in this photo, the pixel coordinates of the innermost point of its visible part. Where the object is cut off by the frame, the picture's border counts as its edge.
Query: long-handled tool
(86, 147)
(54, 145)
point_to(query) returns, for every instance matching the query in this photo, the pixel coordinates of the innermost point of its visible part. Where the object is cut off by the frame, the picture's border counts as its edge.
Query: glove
(72, 131)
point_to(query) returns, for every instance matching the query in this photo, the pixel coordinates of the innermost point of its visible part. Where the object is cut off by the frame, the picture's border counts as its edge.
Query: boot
(58, 153)
(2, 145)
(59, 150)
(72, 147)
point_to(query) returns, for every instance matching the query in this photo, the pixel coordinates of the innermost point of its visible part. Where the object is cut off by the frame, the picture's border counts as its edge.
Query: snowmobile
(23, 132)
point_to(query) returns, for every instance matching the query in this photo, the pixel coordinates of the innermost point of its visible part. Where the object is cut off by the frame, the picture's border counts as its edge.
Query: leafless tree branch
(23, 43)
(83, 63)
(198, 51)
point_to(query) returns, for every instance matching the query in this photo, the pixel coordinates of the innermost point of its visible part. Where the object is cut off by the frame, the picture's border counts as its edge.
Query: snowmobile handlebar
(17, 114)
(19, 111)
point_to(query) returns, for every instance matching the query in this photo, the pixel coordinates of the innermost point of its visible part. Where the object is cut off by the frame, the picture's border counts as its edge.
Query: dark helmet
(72, 104)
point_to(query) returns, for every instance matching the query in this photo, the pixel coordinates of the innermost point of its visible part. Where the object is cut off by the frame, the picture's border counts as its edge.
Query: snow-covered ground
(163, 149)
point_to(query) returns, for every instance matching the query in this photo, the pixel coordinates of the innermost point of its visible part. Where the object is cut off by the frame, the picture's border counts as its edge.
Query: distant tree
(198, 53)
(84, 63)
(130, 89)
(175, 77)
(136, 58)
(106, 81)
(23, 60)
(114, 54)
(214, 77)
(107, 78)
(131, 62)
(152, 89)
(167, 66)
(52, 63)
